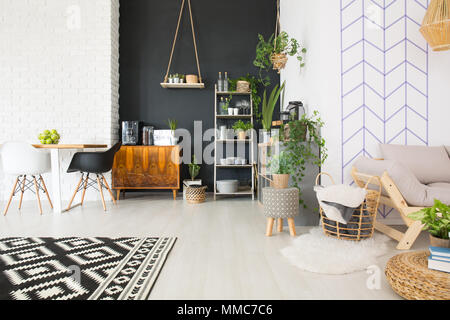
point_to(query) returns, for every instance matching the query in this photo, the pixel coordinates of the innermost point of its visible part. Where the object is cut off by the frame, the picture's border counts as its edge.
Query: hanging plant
(275, 51)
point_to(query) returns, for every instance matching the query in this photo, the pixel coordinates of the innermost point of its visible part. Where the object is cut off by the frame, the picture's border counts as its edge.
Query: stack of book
(439, 259)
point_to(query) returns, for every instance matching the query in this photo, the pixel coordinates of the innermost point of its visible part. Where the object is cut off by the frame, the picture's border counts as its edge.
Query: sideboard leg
(118, 194)
(174, 191)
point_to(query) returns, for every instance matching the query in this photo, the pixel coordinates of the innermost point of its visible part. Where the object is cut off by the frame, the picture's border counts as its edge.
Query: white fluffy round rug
(315, 252)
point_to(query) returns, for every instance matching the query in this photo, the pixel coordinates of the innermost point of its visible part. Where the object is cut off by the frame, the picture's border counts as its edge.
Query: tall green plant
(268, 105)
(194, 168)
(305, 145)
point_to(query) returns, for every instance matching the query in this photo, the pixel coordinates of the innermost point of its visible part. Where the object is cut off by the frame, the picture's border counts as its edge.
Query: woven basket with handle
(361, 224)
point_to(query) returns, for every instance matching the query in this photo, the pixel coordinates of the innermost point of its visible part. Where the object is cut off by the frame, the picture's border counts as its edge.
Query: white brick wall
(59, 69)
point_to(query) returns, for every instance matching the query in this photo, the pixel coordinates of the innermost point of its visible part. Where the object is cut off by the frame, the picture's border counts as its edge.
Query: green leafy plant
(242, 126)
(255, 84)
(173, 124)
(276, 45)
(194, 168)
(305, 145)
(268, 105)
(281, 163)
(436, 219)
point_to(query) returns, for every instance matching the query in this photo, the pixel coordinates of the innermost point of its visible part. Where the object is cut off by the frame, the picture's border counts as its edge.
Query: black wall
(226, 33)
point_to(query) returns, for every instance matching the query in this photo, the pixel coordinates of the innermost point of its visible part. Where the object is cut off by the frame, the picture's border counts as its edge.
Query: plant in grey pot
(436, 221)
(194, 170)
(268, 106)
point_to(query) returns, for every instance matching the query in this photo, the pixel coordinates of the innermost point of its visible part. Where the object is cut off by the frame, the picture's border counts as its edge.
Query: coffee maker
(130, 133)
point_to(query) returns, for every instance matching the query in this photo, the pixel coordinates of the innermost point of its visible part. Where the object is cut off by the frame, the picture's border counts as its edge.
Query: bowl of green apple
(49, 137)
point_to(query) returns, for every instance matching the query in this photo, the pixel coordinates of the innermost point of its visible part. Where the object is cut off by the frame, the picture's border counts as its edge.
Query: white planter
(187, 183)
(230, 111)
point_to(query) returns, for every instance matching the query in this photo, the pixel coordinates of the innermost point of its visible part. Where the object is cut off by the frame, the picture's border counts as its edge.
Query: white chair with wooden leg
(27, 164)
(280, 204)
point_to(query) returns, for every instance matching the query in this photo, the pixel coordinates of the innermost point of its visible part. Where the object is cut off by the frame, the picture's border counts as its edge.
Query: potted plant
(194, 170)
(176, 78)
(268, 106)
(275, 51)
(305, 145)
(171, 78)
(241, 128)
(181, 78)
(281, 169)
(173, 126)
(436, 221)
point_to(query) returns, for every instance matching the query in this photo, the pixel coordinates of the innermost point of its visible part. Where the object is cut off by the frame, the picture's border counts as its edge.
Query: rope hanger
(175, 41)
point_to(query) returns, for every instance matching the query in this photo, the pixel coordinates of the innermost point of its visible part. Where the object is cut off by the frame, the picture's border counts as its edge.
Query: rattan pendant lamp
(436, 25)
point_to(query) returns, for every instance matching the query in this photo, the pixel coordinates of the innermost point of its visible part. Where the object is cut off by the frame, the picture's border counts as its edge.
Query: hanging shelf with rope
(195, 85)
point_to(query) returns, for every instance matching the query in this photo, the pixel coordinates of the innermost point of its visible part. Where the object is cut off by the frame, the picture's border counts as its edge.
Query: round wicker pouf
(195, 194)
(409, 276)
(280, 204)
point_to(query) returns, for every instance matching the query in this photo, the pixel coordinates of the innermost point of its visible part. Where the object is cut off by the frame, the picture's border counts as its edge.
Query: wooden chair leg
(37, 194)
(46, 192)
(174, 194)
(10, 197)
(109, 190)
(291, 223)
(118, 194)
(75, 193)
(84, 189)
(280, 225)
(269, 226)
(22, 191)
(101, 192)
(410, 236)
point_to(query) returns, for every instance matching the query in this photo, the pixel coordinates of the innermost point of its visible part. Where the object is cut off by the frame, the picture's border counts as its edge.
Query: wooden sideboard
(147, 167)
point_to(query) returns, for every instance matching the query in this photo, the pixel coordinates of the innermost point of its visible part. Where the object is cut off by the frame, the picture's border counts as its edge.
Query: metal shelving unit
(250, 141)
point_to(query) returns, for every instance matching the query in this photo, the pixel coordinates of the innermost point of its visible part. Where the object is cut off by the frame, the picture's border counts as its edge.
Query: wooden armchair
(393, 198)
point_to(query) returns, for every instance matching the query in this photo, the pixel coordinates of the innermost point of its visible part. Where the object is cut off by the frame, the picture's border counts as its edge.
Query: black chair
(96, 163)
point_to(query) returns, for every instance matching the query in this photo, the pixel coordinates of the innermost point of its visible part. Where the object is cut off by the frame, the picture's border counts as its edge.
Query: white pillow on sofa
(429, 164)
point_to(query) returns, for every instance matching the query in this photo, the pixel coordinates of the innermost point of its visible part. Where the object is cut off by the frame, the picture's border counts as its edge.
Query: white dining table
(56, 168)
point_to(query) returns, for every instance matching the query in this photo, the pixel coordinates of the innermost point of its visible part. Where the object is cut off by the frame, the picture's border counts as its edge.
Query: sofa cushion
(414, 192)
(443, 185)
(429, 164)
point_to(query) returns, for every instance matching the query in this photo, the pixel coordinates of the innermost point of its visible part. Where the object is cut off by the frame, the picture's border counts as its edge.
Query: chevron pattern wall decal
(384, 70)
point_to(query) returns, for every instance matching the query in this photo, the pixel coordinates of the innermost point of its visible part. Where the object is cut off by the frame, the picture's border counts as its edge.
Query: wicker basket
(196, 194)
(243, 86)
(279, 61)
(361, 224)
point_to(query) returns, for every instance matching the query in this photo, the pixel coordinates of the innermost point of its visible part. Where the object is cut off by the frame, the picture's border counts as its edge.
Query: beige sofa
(412, 177)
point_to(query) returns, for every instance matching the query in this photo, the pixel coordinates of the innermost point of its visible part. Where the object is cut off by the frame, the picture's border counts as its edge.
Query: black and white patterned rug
(80, 268)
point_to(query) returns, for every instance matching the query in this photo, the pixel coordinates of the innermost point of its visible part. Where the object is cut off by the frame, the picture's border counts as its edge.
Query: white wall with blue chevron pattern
(371, 75)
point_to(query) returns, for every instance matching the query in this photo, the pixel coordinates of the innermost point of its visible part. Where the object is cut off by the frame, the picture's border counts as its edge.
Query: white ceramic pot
(227, 186)
(236, 111)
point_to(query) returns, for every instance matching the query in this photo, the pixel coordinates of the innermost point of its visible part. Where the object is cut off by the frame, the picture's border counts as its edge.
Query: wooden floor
(221, 252)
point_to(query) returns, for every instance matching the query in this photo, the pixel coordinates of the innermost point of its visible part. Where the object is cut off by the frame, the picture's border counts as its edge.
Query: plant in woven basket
(302, 144)
(254, 86)
(436, 219)
(194, 168)
(275, 51)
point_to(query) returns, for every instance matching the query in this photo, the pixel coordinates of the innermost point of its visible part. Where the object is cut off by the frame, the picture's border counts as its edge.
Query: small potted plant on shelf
(181, 78)
(173, 126)
(176, 78)
(436, 221)
(194, 170)
(241, 128)
(268, 106)
(171, 78)
(281, 168)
